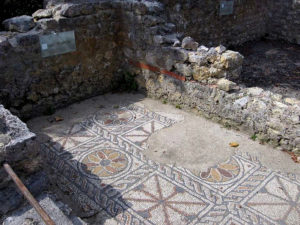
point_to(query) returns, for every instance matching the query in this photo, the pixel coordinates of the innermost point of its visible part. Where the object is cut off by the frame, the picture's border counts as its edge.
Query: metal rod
(28, 195)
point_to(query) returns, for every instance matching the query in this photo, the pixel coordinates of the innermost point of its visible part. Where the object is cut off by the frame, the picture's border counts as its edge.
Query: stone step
(58, 211)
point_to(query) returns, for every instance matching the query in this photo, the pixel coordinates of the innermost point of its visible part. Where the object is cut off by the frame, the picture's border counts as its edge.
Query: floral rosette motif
(115, 118)
(105, 163)
(221, 173)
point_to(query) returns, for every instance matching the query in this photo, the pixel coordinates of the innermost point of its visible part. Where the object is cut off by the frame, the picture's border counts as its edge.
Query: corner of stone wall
(32, 85)
(18, 148)
(180, 71)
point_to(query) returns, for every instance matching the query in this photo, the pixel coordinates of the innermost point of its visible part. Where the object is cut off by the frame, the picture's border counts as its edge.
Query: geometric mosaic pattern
(101, 162)
(281, 200)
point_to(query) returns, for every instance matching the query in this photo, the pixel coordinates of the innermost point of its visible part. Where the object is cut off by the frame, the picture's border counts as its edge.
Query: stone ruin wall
(138, 36)
(18, 148)
(284, 20)
(251, 19)
(198, 78)
(201, 20)
(31, 85)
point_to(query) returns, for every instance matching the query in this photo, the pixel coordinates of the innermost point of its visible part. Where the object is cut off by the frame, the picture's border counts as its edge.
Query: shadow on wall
(12, 8)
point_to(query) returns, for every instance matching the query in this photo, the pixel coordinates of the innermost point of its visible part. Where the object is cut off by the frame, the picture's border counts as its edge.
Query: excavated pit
(128, 159)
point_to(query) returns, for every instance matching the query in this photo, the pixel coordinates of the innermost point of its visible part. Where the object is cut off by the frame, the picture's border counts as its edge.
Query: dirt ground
(272, 65)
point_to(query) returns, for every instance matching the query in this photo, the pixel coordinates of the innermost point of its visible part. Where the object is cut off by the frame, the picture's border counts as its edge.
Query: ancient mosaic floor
(101, 160)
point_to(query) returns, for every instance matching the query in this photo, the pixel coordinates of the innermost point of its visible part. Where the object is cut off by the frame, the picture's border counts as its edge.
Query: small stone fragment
(202, 48)
(4, 139)
(291, 101)
(200, 73)
(220, 49)
(198, 58)
(231, 59)
(226, 85)
(271, 52)
(254, 91)
(176, 44)
(184, 69)
(3, 39)
(212, 55)
(42, 13)
(242, 102)
(189, 44)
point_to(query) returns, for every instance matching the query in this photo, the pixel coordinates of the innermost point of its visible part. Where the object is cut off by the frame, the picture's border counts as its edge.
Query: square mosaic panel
(225, 177)
(69, 138)
(276, 199)
(139, 135)
(159, 201)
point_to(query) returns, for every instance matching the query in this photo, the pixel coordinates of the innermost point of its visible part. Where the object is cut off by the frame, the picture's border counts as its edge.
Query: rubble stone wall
(142, 30)
(148, 38)
(31, 85)
(180, 71)
(264, 114)
(202, 21)
(284, 22)
(251, 19)
(20, 150)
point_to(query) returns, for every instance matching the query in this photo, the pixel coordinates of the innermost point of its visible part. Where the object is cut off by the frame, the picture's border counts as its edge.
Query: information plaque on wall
(57, 43)
(226, 7)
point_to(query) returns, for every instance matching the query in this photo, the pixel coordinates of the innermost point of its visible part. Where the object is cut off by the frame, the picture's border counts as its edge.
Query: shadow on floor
(87, 199)
(74, 158)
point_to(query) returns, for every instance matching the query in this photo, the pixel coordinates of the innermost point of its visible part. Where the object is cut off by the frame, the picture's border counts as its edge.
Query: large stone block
(20, 23)
(231, 59)
(200, 58)
(13, 136)
(200, 73)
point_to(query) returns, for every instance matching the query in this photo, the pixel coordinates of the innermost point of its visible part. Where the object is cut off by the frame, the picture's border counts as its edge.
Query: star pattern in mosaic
(101, 160)
(161, 202)
(278, 200)
(70, 138)
(117, 117)
(140, 135)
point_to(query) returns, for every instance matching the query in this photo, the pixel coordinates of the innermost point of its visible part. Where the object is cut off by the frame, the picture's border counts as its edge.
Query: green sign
(226, 7)
(57, 43)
